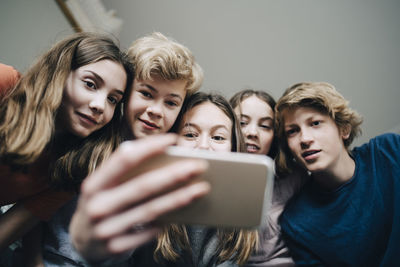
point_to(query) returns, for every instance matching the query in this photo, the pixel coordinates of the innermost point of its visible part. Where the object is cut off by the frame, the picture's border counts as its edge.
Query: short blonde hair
(323, 97)
(157, 55)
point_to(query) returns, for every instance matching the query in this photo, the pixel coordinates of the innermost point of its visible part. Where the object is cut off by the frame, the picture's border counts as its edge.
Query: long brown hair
(28, 114)
(234, 244)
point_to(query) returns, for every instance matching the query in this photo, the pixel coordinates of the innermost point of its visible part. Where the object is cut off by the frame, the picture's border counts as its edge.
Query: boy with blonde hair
(166, 73)
(348, 214)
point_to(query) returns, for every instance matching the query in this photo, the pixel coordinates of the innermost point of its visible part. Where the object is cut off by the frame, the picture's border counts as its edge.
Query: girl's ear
(345, 131)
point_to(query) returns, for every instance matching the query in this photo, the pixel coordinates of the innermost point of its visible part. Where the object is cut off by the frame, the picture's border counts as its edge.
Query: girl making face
(208, 122)
(255, 111)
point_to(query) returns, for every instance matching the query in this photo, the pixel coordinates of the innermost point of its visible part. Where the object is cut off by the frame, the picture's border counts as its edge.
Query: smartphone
(241, 188)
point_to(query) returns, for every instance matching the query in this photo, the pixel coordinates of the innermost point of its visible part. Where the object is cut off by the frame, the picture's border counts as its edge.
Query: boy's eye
(146, 94)
(316, 123)
(171, 103)
(90, 84)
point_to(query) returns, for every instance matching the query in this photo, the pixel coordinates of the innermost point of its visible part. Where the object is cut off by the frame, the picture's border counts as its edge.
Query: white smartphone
(241, 188)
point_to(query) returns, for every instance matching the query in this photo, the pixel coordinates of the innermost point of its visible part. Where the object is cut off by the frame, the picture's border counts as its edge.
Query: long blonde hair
(234, 244)
(28, 113)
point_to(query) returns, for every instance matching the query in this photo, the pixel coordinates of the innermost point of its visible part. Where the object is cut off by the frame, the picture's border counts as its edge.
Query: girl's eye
(113, 100)
(290, 132)
(189, 135)
(316, 123)
(266, 127)
(243, 123)
(90, 84)
(218, 138)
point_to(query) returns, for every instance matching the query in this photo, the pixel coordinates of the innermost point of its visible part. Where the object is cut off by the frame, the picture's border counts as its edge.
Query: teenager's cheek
(170, 118)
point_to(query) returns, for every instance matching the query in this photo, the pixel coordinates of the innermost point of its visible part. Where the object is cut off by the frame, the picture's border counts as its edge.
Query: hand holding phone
(241, 188)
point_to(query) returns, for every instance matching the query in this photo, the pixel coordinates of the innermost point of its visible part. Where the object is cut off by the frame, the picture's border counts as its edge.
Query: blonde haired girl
(57, 123)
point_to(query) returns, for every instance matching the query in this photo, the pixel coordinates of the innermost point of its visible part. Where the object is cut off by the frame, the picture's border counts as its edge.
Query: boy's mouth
(310, 154)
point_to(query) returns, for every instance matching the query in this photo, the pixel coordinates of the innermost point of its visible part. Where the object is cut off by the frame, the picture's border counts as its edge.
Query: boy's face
(154, 105)
(314, 139)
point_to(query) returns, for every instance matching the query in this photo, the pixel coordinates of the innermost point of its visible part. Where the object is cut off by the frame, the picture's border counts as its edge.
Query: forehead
(176, 87)
(255, 105)
(300, 114)
(111, 72)
(207, 114)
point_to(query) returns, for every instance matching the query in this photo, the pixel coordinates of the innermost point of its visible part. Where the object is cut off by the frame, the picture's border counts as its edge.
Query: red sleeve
(8, 78)
(46, 203)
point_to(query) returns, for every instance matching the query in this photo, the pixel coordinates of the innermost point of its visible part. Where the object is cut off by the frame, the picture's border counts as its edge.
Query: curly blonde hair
(157, 55)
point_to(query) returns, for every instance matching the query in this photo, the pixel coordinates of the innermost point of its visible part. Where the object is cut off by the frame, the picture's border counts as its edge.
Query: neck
(63, 141)
(334, 177)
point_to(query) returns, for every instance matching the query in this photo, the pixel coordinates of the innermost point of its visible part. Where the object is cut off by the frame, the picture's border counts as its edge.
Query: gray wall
(28, 28)
(268, 45)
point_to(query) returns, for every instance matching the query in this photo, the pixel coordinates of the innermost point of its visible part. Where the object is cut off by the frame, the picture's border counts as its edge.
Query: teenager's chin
(142, 134)
(81, 132)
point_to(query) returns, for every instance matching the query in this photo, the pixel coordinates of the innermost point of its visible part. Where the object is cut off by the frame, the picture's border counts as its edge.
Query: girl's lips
(87, 119)
(149, 125)
(251, 148)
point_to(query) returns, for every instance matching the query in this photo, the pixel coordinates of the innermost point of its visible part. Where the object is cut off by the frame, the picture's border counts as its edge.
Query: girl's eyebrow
(97, 77)
(216, 127)
(268, 118)
(262, 119)
(189, 124)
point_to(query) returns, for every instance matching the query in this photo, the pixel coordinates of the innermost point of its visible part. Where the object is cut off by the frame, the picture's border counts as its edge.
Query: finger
(150, 210)
(126, 157)
(131, 241)
(145, 186)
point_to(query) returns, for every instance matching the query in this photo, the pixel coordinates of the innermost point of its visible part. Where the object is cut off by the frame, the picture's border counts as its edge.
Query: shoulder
(382, 150)
(387, 141)
(8, 77)
(286, 186)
